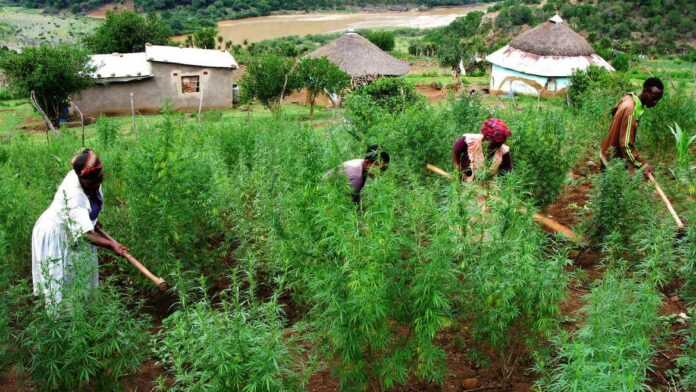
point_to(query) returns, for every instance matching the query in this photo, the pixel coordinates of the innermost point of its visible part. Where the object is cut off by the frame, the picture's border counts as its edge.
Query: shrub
(687, 362)
(173, 187)
(541, 153)
(618, 204)
(107, 131)
(677, 106)
(509, 283)
(128, 32)
(90, 338)
(383, 39)
(52, 72)
(393, 95)
(320, 75)
(267, 77)
(613, 349)
(236, 348)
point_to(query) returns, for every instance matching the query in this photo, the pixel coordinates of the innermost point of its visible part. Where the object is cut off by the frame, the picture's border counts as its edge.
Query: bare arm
(101, 239)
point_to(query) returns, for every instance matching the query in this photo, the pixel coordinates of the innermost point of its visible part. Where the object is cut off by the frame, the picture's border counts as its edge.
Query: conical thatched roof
(551, 49)
(357, 56)
(553, 38)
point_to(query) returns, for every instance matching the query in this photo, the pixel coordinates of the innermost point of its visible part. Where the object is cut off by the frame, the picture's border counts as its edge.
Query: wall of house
(506, 81)
(150, 94)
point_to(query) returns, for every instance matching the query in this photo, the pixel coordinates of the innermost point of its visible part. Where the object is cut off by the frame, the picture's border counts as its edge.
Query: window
(189, 84)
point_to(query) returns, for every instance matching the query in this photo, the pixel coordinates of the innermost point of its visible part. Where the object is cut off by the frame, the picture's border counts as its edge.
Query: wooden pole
(132, 103)
(82, 121)
(35, 102)
(665, 200)
(538, 218)
(200, 102)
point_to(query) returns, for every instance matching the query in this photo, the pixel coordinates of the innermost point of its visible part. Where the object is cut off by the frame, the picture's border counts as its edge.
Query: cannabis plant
(88, 340)
(238, 346)
(613, 349)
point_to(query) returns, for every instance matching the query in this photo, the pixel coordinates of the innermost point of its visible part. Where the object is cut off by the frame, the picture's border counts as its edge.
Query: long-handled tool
(664, 198)
(159, 282)
(538, 218)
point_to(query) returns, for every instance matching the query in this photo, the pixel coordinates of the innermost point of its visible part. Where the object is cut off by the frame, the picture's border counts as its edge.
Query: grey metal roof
(120, 67)
(190, 56)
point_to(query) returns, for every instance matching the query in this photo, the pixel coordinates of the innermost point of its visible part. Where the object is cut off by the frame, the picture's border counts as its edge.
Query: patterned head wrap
(495, 130)
(93, 166)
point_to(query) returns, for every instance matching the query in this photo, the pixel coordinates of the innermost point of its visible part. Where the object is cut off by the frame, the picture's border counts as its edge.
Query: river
(274, 26)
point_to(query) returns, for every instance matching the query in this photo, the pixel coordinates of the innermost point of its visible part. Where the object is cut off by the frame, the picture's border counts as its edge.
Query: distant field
(21, 27)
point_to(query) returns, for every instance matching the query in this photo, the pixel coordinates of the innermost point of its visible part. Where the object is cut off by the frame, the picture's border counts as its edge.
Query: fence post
(132, 104)
(82, 121)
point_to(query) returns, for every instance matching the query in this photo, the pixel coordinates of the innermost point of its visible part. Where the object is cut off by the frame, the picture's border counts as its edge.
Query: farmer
(468, 151)
(358, 170)
(620, 143)
(71, 216)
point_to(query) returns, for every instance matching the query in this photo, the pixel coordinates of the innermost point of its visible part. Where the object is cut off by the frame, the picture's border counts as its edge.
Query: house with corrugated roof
(542, 60)
(183, 77)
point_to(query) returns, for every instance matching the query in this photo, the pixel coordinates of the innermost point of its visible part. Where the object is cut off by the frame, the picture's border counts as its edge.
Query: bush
(267, 77)
(52, 72)
(393, 95)
(541, 153)
(128, 32)
(173, 187)
(687, 362)
(613, 349)
(236, 348)
(618, 204)
(510, 285)
(88, 339)
(383, 39)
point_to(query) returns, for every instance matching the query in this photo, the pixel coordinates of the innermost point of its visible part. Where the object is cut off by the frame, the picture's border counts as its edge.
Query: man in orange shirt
(620, 143)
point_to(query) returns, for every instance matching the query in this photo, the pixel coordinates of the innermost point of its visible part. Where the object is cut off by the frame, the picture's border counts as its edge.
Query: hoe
(538, 218)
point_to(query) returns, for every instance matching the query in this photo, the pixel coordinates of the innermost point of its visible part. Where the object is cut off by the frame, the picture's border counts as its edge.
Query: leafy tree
(127, 32)
(267, 78)
(321, 75)
(52, 72)
(383, 39)
(204, 38)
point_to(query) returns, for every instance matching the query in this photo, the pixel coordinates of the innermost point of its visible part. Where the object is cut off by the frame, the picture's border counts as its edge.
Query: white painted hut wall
(498, 83)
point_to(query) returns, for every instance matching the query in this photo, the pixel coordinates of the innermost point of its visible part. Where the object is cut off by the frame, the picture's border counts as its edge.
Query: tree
(205, 38)
(127, 32)
(321, 75)
(52, 72)
(267, 77)
(383, 39)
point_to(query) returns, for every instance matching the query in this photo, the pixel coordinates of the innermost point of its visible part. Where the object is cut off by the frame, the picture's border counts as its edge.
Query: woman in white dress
(71, 217)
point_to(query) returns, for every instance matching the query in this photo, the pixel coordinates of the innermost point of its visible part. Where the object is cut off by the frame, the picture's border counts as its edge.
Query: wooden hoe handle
(155, 279)
(664, 198)
(538, 218)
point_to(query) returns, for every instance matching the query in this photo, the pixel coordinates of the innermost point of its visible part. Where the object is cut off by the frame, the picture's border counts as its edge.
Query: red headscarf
(495, 130)
(93, 165)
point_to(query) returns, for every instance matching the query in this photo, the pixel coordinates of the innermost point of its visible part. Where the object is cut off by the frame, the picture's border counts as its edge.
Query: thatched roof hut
(358, 57)
(541, 60)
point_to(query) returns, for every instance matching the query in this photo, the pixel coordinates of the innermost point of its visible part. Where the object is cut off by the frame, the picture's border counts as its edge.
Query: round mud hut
(541, 61)
(362, 60)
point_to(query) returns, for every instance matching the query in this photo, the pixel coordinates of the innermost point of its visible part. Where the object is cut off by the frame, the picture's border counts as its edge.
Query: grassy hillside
(20, 27)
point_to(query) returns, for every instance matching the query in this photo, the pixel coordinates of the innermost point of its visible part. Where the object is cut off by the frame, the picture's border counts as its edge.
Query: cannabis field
(279, 282)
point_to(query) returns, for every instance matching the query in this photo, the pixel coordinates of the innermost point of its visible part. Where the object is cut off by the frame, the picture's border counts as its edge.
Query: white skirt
(56, 263)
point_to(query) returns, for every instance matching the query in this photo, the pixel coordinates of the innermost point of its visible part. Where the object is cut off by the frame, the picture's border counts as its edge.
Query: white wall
(504, 80)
